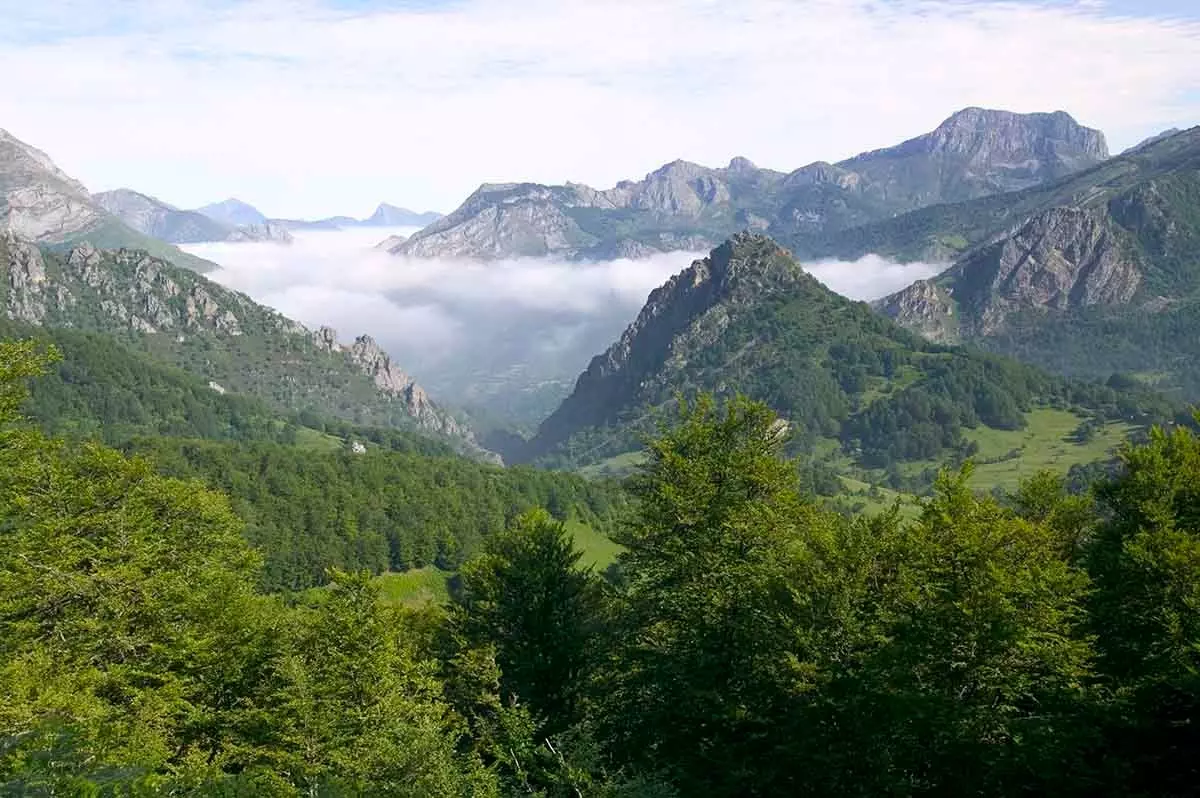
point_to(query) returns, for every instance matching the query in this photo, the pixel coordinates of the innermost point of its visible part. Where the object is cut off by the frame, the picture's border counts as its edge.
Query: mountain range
(1094, 274)
(683, 206)
(849, 382)
(41, 203)
(233, 219)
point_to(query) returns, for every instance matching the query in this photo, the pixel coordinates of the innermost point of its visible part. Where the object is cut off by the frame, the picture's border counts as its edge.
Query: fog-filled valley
(502, 339)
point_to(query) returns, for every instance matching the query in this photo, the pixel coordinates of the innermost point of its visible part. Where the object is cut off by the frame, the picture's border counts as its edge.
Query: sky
(311, 108)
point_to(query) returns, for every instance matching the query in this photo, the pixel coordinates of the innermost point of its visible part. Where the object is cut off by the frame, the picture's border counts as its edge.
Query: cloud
(310, 108)
(482, 333)
(455, 324)
(870, 277)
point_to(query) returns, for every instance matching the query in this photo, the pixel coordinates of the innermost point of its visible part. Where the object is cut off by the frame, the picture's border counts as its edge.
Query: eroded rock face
(1061, 260)
(38, 201)
(924, 307)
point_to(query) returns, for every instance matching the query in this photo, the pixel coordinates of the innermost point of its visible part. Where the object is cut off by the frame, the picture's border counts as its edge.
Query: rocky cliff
(1062, 259)
(218, 334)
(683, 205)
(1094, 274)
(38, 201)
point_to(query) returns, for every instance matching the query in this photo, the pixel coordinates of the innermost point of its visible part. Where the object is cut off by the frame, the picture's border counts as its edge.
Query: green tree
(360, 710)
(707, 664)
(527, 596)
(1146, 609)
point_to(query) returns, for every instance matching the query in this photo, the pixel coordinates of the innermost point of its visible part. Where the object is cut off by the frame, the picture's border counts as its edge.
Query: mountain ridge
(180, 318)
(682, 205)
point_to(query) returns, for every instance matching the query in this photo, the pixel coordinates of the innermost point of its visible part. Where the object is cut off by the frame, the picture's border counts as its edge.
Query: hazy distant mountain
(233, 213)
(385, 216)
(163, 221)
(39, 202)
(391, 216)
(974, 153)
(1095, 274)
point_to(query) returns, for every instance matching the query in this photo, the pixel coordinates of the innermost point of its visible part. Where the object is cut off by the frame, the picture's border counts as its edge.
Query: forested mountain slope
(183, 319)
(748, 319)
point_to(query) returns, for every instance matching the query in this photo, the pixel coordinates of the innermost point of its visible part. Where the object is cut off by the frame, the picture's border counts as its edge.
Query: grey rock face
(1061, 260)
(924, 307)
(974, 153)
(38, 201)
(263, 231)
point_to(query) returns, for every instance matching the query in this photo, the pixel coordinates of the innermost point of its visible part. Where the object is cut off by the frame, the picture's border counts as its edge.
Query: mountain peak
(741, 164)
(233, 212)
(987, 133)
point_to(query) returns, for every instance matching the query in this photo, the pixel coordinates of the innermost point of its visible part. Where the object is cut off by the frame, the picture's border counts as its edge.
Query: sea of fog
(471, 331)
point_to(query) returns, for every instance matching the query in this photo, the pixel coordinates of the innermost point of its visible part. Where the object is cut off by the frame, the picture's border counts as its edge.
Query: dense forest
(748, 643)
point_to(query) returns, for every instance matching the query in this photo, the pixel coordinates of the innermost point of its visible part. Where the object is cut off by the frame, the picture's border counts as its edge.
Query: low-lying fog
(506, 337)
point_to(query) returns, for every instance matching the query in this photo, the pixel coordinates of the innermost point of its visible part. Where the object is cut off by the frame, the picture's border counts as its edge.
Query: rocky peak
(741, 164)
(38, 201)
(985, 136)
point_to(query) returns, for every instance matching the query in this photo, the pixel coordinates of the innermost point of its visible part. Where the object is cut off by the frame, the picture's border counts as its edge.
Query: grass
(598, 551)
(617, 466)
(414, 588)
(431, 585)
(1044, 444)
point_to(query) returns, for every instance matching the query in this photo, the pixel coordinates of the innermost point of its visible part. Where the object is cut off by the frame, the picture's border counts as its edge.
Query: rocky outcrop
(1061, 260)
(263, 231)
(38, 201)
(974, 153)
(924, 307)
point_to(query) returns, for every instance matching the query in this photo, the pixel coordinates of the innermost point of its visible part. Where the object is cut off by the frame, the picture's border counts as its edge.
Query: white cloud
(453, 323)
(870, 277)
(309, 110)
(469, 330)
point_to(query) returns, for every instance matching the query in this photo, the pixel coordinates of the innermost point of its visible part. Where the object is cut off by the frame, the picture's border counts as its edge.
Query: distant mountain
(182, 319)
(39, 202)
(385, 216)
(748, 319)
(391, 216)
(158, 219)
(1095, 274)
(233, 213)
(682, 205)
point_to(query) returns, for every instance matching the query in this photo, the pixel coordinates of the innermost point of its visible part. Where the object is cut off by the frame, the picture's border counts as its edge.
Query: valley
(871, 470)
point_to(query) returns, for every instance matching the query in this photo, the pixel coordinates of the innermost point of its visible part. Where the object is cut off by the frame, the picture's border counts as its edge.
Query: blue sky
(320, 107)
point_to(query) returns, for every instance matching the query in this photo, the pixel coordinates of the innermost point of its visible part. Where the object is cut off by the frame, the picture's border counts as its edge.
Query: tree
(1145, 562)
(527, 596)
(706, 662)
